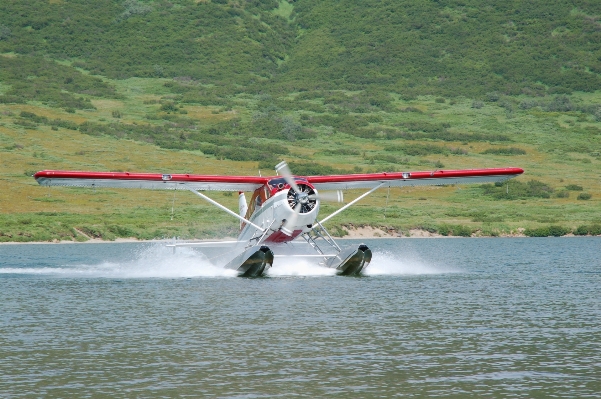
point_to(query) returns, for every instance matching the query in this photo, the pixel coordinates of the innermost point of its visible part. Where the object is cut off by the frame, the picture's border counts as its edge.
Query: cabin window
(257, 200)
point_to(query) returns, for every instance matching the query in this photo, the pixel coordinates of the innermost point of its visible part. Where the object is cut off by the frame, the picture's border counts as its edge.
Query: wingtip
(39, 174)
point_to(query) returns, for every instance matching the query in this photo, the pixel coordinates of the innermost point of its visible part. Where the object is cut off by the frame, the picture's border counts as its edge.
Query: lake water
(501, 317)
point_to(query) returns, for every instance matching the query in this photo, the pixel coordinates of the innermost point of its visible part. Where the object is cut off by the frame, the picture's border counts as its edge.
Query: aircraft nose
(303, 198)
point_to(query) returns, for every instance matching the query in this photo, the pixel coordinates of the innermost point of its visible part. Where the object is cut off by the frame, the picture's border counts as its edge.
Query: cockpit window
(257, 200)
(279, 183)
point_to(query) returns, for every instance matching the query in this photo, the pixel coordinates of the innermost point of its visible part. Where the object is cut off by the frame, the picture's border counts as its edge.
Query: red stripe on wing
(184, 178)
(414, 175)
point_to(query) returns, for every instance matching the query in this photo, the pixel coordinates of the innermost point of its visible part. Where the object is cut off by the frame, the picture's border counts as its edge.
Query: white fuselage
(272, 215)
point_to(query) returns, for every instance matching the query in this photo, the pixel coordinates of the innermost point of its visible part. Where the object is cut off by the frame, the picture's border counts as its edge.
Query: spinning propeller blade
(331, 196)
(284, 171)
(290, 224)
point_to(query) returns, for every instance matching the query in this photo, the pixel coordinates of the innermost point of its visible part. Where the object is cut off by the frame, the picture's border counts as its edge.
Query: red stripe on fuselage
(279, 236)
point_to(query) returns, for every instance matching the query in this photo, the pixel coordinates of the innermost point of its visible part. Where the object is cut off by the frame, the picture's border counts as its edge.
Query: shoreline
(353, 233)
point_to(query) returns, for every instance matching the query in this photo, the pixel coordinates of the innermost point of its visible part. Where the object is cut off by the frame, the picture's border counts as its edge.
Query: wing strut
(218, 205)
(350, 203)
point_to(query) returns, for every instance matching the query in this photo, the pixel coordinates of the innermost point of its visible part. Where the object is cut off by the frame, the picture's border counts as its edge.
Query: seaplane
(281, 218)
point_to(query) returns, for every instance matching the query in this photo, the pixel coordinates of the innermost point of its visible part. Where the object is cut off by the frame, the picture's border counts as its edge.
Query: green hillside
(452, 47)
(120, 39)
(330, 86)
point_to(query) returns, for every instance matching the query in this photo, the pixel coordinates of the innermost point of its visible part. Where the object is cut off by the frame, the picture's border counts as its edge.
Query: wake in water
(155, 261)
(386, 263)
(383, 263)
(158, 261)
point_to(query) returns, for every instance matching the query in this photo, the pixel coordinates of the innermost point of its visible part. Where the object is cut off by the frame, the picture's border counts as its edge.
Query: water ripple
(511, 318)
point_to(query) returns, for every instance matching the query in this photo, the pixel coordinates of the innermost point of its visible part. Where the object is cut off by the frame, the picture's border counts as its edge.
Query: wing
(401, 179)
(153, 181)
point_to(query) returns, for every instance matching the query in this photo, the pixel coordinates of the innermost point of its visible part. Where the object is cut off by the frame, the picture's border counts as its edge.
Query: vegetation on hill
(36, 79)
(229, 86)
(214, 41)
(448, 47)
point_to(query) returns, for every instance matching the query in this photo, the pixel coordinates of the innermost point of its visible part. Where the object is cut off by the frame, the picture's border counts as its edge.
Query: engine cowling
(306, 197)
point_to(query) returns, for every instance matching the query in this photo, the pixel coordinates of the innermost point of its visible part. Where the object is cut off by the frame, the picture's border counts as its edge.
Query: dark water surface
(434, 317)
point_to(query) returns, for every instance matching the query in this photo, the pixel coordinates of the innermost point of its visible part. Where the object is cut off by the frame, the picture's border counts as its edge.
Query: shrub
(444, 230)
(593, 229)
(527, 104)
(169, 107)
(505, 151)
(462, 231)
(64, 124)
(560, 104)
(477, 104)
(563, 194)
(554, 231)
(455, 230)
(342, 151)
(517, 189)
(493, 96)
(440, 100)
(25, 123)
(458, 151)
(574, 187)
(14, 146)
(412, 109)
(584, 196)
(558, 231)
(422, 126)
(538, 232)
(5, 32)
(291, 130)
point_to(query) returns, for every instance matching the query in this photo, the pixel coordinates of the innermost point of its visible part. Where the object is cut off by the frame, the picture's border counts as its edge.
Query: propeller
(331, 196)
(288, 227)
(301, 198)
(283, 170)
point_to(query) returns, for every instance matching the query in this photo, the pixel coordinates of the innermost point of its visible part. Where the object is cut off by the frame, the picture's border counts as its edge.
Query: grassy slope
(30, 212)
(322, 126)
